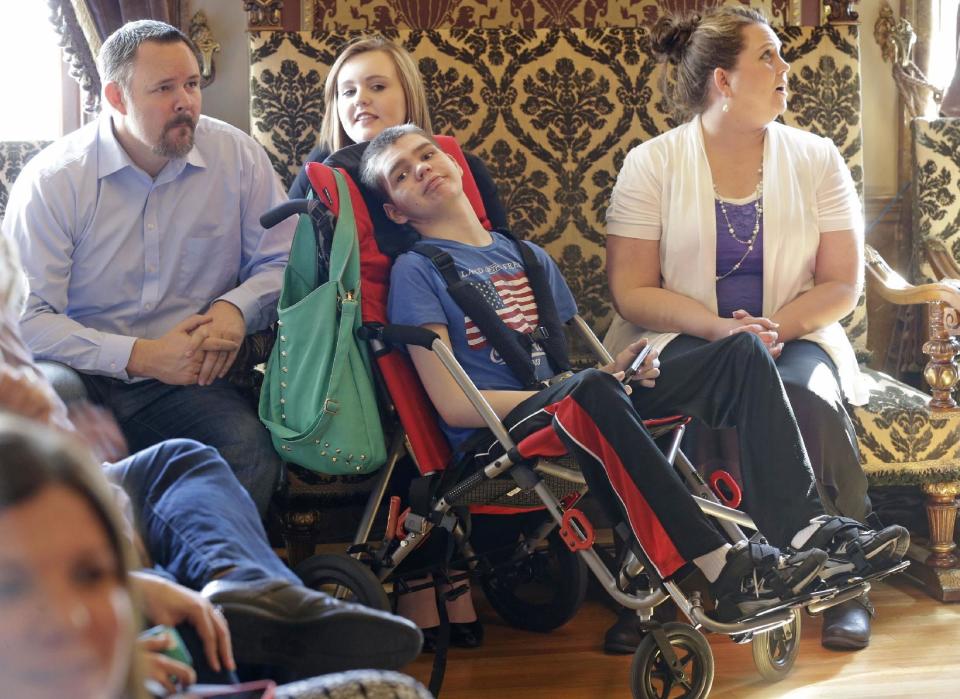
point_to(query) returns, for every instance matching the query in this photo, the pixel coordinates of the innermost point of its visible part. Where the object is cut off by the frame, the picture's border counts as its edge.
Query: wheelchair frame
(415, 528)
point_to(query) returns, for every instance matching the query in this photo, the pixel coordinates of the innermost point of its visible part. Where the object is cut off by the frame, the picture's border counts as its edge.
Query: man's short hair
(119, 51)
(372, 162)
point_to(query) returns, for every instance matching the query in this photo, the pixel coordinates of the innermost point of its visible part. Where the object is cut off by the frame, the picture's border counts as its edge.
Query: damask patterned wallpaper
(936, 190)
(392, 15)
(552, 111)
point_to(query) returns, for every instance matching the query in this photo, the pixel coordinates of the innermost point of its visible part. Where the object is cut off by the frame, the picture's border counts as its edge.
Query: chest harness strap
(514, 347)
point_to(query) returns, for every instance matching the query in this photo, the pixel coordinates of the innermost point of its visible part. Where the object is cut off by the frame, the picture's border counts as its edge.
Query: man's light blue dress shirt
(113, 255)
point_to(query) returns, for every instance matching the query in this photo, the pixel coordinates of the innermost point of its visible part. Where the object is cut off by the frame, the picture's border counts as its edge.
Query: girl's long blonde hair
(333, 137)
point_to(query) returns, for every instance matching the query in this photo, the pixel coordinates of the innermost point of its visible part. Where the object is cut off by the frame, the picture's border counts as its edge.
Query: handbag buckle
(331, 406)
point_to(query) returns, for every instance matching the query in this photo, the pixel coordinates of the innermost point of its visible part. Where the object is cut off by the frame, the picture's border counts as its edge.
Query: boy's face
(418, 177)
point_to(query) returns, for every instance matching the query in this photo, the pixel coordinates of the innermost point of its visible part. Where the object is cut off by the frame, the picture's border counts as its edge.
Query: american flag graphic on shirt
(512, 297)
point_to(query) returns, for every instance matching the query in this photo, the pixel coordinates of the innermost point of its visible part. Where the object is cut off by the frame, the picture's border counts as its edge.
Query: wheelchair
(538, 581)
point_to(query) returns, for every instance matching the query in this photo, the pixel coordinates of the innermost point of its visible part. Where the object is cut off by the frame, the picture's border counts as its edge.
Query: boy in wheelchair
(595, 417)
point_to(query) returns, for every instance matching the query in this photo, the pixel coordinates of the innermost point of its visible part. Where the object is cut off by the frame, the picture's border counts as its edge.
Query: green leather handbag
(318, 399)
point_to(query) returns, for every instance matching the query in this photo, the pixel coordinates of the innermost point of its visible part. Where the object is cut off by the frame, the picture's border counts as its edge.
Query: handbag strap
(347, 325)
(344, 253)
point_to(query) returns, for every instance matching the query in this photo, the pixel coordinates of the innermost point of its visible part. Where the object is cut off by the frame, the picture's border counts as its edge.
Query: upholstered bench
(552, 99)
(906, 437)
(13, 156)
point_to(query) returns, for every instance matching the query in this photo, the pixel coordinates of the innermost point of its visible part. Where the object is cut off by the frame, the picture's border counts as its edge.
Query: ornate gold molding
(897, 38)
(941, 506)
(883, 31)
(202, 38)
(944, 490)
(839, 12)
(263, 14)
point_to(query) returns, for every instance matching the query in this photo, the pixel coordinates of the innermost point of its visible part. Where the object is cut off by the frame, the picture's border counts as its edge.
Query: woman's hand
(99, 429)
(23, 394)
(764, 328)
(170, 604)
(160, 668)
(649, 370)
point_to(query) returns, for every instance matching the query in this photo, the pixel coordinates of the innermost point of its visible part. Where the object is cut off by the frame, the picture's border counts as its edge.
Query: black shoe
(274, 622)
(462, 635)
(847, 625)
(625, 635)
(758, 576)
(855, 550)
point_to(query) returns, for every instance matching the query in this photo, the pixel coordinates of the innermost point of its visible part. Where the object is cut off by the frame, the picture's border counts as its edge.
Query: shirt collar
(112, 157)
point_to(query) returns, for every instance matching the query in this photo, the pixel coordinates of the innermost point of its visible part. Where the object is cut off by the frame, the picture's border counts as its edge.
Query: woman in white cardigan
(735, 223)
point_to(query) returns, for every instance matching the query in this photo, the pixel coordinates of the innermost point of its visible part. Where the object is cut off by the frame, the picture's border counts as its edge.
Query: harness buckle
(540, 333)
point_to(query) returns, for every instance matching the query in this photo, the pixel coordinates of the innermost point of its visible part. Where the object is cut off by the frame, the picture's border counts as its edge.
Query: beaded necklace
(749, 242)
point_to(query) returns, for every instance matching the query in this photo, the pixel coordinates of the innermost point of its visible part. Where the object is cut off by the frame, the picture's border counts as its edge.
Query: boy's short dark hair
(370, 174)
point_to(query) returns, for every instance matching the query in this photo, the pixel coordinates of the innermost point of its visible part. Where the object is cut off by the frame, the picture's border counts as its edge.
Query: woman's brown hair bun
(671, 35)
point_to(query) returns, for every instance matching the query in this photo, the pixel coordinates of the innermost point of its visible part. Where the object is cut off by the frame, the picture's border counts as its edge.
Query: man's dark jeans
(218, 415)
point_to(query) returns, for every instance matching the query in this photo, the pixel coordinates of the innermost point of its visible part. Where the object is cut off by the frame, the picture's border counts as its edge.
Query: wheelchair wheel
(345, 578)
(539, 592)
(650, 677)
(774, 652)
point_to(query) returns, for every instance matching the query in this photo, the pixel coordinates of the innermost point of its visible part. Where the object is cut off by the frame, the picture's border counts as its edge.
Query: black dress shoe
(462, 635)
(847, 625)
(624, 636)
(274, 622)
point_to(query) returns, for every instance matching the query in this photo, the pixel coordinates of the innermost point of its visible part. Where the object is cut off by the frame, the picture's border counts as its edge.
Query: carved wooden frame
(298, 15)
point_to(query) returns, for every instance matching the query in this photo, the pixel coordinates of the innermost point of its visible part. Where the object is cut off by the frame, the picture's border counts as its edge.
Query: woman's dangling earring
(725, 107)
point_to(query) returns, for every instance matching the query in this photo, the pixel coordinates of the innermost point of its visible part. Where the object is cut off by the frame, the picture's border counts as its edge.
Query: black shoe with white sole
(758, 576)
(855, 550)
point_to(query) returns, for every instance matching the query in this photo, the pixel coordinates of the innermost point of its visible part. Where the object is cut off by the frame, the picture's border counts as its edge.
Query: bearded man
(147, 263)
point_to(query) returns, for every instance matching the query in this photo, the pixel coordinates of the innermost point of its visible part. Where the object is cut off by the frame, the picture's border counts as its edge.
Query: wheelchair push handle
(399, 335)
(283, 211)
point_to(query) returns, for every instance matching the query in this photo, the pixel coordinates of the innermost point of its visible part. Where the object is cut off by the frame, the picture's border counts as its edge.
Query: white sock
(712, 563)
(800, 539)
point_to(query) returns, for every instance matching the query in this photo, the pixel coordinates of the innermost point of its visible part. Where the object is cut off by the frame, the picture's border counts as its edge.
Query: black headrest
(392, 239)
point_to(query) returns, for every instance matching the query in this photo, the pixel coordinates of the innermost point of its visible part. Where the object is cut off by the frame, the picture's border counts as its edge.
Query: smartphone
(179, 649)
(262, 689)
(636, 364)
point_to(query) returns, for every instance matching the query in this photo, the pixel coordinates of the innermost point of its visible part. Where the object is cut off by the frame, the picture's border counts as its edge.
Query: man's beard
(168, 148)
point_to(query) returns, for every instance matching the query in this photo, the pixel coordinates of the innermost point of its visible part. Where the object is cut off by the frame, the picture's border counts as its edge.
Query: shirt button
(150, 226)
(152, 268)
(113, 365)
(148, 306)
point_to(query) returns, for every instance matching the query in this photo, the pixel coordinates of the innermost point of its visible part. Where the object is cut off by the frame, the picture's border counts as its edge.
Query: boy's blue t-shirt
(418, 296)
